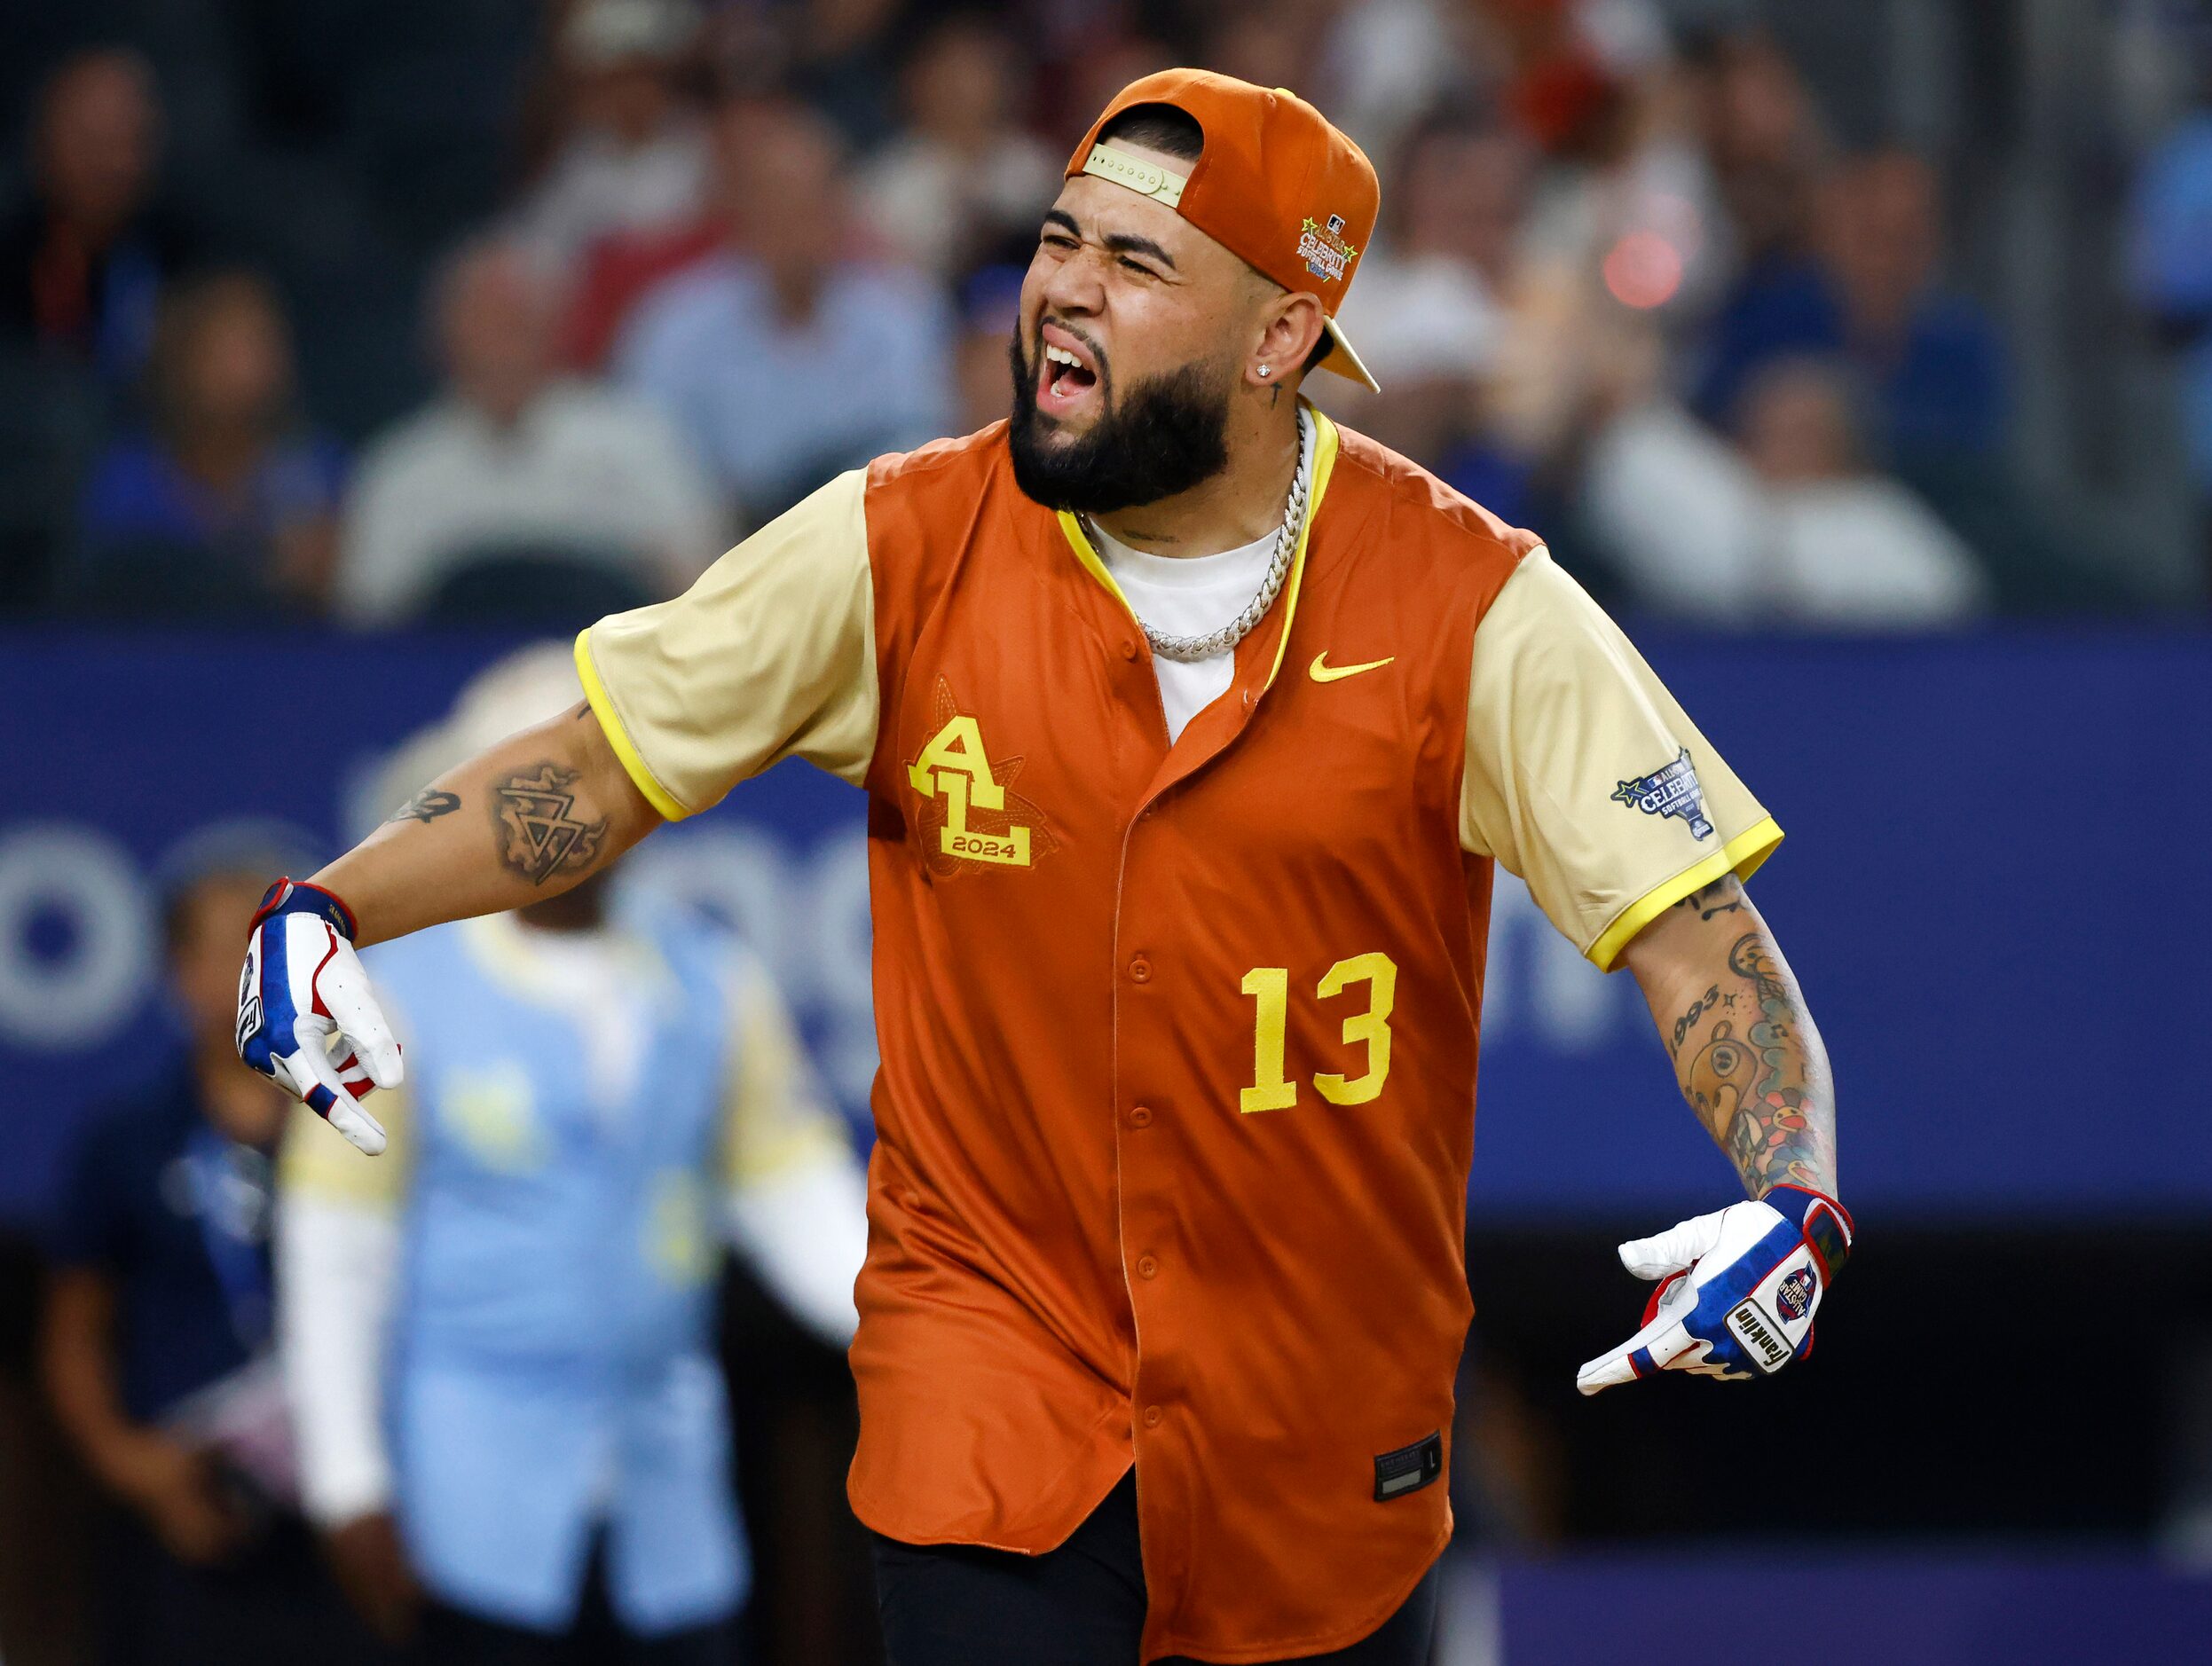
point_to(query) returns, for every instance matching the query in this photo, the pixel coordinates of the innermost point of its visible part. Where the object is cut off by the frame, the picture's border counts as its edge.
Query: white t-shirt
(585, 468)
(1187, 595)
(1698, 534)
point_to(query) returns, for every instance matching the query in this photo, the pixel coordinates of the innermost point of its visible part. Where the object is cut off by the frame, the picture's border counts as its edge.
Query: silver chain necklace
(1187, 649)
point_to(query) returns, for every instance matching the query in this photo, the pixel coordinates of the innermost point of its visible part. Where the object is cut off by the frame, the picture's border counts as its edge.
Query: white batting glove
(1737, 1290)
(306, 1016)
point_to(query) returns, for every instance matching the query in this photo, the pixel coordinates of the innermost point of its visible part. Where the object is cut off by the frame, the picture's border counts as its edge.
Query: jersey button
(1140, 969)
(1147, 1268)
(1152, 1414)
(1129, 648)
(1141, 1117)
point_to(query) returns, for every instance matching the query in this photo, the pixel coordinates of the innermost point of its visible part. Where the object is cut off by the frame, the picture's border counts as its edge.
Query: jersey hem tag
(1408, 1469)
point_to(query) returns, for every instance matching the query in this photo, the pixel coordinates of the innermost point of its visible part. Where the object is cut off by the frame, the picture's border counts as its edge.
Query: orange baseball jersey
(1177, 1097)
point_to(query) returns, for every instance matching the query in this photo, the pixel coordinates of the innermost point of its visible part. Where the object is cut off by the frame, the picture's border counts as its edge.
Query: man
(530, 1425)
(1869, 292)
(1788, 523)
(156, 1344)
(226, 504)
(84, 255)
(1178, 948)
(635, 156)
(964, 178)
(83, 261)
(515, 460)
(783, 358)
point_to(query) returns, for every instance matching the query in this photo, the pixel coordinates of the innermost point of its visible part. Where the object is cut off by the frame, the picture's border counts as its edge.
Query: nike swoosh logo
(1322, 671)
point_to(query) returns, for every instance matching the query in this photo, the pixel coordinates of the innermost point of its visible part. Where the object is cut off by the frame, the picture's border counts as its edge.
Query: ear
(1289, 325)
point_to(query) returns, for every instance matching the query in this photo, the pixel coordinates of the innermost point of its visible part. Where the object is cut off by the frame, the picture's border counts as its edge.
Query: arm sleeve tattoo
(1750, 1064)
(539, 830)
(427, 805)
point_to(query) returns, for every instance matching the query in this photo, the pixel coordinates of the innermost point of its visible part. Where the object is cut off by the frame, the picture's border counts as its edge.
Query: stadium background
(1855, 356)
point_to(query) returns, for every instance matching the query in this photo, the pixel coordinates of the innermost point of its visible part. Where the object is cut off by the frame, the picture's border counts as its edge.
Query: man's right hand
(173, 1486)
(371, 1564)
(303, 989)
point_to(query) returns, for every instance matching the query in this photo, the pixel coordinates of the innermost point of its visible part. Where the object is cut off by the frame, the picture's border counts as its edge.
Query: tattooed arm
(1746, 1052)
(517, 824)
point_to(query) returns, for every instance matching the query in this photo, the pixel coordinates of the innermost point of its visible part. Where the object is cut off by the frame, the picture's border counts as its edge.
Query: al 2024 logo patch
(1671, 791)
(971, 819)
(1794, 1295)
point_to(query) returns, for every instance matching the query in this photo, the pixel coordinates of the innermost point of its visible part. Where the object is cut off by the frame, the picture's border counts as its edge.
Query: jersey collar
(1324, 461)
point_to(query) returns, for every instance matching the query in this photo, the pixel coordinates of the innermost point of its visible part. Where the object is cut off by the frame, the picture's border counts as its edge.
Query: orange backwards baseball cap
(1273, 184)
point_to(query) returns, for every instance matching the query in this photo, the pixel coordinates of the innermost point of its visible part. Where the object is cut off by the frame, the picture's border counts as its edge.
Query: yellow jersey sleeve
(1585, 777)
(771, 655)
(316, 1161)
(776, 1116)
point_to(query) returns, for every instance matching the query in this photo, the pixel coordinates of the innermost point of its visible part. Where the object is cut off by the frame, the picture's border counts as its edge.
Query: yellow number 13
(1270, 986)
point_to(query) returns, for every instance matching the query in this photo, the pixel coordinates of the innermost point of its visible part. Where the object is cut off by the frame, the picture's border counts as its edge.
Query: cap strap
(1146, 179)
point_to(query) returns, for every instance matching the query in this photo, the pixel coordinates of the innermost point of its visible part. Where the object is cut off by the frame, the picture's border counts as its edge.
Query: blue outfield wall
(1996, 888)
(1959, 1608)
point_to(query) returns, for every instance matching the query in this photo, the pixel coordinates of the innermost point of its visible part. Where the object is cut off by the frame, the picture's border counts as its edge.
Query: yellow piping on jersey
(1323, 460)
(1072, 530)
(1741, 854)
(610, 723)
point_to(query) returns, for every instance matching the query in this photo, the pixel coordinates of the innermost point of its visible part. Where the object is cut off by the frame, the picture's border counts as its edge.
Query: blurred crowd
(518, 310)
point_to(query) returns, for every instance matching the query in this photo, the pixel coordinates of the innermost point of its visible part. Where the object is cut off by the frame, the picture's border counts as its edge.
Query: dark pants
(453, 1637)
(1080, 1605)
(273, 1600)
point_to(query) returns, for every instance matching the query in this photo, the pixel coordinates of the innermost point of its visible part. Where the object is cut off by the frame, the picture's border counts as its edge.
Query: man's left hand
(1737, 1290)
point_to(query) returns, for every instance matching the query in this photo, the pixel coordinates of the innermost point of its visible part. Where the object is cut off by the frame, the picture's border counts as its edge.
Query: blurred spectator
(82, 260)
(1279, 44)
(2170, 264)
(1633, 198)
(1558, 85)
(228, 503)
(635, 157)
(962, 179)
(842, 64)
(1428, 292)
(1765, 142)
(1374, 65)
(1425, 311)
(1100, 60)
(989, 302)
(783, 358)
(621, 269)
(531, 1426)
(157, 1342)
(1793, 527)
(514, 460)
(1870, 294)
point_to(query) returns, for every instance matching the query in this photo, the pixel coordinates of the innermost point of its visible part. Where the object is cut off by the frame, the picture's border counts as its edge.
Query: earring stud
(1263, 370)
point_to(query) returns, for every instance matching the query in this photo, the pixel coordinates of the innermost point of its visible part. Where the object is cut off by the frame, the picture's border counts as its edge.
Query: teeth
(1061, 356)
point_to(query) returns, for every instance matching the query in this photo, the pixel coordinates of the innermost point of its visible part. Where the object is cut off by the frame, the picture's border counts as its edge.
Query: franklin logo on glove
(1737, 1290)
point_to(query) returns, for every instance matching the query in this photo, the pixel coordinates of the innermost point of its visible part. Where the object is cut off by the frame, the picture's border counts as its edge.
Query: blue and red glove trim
(1828, 1230)
(299, 896)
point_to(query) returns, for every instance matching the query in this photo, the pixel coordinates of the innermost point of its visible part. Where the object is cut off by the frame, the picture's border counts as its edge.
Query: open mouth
(1065, 378)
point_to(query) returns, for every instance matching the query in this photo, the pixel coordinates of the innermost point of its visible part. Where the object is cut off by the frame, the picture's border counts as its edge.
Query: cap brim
(1344, 361)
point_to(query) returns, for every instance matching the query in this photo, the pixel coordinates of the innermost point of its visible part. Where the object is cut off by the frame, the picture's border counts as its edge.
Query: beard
(1164, 436)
